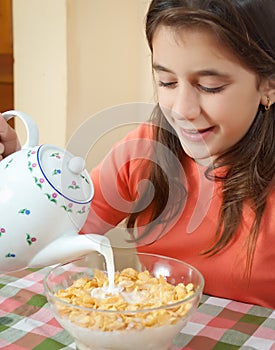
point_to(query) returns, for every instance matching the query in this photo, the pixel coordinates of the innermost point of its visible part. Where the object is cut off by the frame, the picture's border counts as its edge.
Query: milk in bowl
(142, 304)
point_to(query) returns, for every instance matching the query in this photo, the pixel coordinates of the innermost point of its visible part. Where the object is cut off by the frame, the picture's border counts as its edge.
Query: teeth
(195, 131)
(191, 131)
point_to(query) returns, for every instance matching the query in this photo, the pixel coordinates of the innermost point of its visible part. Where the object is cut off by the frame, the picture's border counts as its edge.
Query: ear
(267, 89)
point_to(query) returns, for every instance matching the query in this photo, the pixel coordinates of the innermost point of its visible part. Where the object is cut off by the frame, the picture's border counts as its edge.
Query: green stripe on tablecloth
(63, 337)
(11, 335)
(223, 346)
(209, 309)
(33, 269)
(3, 327)
(253, 319)
(182, 340)
(6, 279)
(38, 300)
(232, 337)
(10, 320)
(9, 291)
(49, 344)
(260, 311)
(269, 323)
(59, 341)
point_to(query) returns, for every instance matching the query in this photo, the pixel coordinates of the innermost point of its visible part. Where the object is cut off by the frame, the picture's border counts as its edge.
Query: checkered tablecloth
(223, 324)
(26, 321)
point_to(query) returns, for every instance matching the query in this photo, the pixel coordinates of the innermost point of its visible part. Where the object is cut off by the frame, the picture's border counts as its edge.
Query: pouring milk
(45, 196)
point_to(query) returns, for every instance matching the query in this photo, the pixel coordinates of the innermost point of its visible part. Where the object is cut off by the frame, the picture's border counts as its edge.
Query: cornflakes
(142, 300)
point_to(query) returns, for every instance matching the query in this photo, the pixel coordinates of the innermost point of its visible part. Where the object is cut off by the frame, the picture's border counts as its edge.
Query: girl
(211, 159)
(197, 182)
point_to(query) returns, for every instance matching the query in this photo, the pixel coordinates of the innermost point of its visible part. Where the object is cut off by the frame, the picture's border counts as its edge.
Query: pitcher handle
(30, 125)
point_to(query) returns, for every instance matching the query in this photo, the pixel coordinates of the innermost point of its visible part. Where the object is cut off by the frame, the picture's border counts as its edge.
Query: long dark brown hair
(247, 28)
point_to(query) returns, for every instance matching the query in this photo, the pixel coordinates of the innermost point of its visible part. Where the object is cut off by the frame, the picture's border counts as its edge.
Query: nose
(186, 103)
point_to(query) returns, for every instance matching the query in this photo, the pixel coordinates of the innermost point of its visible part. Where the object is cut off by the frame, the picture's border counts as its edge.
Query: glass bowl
(76, 320)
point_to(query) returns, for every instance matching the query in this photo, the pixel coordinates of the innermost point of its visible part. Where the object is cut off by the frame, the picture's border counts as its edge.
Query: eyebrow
(203, 72)
(159, 68)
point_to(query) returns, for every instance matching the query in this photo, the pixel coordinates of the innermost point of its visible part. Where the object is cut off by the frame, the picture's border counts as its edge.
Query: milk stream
(107, 251)
(113, 289)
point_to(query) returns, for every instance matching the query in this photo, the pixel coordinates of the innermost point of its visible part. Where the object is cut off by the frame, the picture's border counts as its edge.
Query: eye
(213, 90)
(171, 84)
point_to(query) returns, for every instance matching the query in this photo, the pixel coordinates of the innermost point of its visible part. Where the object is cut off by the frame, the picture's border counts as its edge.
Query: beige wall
(40, 65)
(74, 58)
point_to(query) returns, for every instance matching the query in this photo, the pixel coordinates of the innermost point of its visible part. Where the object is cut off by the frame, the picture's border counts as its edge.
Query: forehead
(199, 44)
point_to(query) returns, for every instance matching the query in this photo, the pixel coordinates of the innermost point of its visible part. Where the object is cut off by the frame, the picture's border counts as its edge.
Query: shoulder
(136, 144)
(126, 153)
(144, 131)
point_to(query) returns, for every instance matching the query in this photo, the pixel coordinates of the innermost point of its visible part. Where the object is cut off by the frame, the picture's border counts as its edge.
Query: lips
(196, 134)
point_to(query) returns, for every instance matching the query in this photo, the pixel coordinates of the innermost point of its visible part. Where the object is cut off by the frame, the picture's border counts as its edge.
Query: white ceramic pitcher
(45, 195)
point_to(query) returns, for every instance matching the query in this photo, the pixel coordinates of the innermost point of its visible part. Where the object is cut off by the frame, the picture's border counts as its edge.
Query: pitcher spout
(69, 247)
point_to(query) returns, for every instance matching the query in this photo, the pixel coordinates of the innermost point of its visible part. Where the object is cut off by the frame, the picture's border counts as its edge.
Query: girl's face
(207, 96)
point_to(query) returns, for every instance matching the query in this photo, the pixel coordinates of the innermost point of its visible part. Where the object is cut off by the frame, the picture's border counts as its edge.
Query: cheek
(243, 104)
(237, 122)
(163, 99)
(167, 111)
(166, 105)
(166, 97)
(233, 110)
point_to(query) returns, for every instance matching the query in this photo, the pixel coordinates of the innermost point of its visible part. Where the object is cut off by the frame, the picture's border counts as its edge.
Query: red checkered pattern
(26, 321)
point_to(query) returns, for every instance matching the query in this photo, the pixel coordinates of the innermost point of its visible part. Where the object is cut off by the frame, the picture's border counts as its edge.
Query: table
(26, 321)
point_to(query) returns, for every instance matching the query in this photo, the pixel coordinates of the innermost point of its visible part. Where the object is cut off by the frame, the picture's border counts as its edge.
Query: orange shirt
(116, 186)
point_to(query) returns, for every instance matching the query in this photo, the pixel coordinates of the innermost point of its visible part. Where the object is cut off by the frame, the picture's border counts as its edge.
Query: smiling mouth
(196, 134)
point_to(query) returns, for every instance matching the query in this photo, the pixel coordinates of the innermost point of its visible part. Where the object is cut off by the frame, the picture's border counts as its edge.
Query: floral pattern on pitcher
(56, 172)
(25, 211)
(39, 181)
(84, 178)
(10, 255)
(30, 240)
(30, 153)
(52, 197)
(8, 164)
(34, 166)
(31, 166)
(82, 211)
(56, 155)
(67, 208)
(32, 201)
(74, 186)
